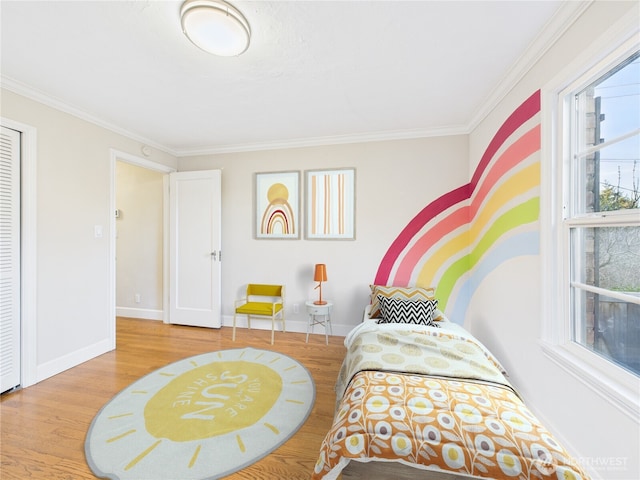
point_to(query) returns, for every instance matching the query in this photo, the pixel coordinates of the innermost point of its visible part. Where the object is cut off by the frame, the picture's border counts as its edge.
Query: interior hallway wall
(139, 241)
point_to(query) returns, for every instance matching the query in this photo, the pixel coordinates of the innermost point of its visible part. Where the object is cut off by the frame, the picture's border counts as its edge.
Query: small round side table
(319, 315)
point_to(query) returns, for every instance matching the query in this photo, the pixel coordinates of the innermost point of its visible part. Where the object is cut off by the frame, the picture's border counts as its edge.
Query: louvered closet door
(9, 259)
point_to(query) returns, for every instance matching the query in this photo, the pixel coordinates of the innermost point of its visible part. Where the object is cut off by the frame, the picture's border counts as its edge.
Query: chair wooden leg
(233, 337)
(273, 329)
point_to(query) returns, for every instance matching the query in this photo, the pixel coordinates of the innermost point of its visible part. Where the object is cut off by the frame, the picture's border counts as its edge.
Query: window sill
(582, 365)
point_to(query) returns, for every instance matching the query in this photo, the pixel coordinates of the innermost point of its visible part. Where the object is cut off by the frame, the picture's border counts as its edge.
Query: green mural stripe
(526, 212)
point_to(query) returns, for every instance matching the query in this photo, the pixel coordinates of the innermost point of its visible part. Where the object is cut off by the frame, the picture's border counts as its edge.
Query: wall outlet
(296, 308)
(137, 298)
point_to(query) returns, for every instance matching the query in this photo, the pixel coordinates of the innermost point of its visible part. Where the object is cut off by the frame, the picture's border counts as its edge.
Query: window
(601, 186)
(591, 247)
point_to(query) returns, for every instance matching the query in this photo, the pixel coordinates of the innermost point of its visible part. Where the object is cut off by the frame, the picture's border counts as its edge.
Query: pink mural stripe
(439, 205)
(524, 112)
(512, 156)
(523, 181)
(520, 182)
(521, 149)
(444, 227)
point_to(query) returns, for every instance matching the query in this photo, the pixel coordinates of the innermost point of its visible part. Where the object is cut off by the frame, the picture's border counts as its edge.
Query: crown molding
(329, 140)
(29, 92)
(564, 17)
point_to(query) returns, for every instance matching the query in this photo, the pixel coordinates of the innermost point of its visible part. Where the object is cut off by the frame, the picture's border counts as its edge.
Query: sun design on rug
(209, 411)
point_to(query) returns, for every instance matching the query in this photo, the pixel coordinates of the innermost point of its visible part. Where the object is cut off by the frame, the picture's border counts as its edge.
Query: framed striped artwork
(330, 204)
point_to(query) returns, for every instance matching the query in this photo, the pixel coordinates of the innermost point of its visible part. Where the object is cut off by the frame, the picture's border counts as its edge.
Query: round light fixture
(215, 26)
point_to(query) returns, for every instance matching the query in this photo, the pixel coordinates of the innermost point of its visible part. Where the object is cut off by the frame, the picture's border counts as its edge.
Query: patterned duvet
(435, 399)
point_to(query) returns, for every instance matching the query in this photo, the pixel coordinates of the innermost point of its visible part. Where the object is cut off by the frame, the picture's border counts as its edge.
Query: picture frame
(330, 204)
(277, 205)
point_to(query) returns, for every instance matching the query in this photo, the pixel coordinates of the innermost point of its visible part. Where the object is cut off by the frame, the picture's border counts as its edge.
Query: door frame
(28, 251)
(115, 156)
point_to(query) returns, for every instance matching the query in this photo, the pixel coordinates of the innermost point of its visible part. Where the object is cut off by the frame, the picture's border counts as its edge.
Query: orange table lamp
(320, 275)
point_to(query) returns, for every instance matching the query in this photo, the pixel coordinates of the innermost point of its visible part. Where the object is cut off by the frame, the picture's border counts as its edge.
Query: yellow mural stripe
(275, 360)
(194, 457)
(133, 462)
(118, 437)
(290, 368)
(143, 392)
(295, 401)
(165, 374)
(444, 253)
(526, 212)
(522, 181)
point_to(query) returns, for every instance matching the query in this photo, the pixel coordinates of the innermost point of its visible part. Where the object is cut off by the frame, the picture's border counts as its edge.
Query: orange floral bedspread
(468, 427)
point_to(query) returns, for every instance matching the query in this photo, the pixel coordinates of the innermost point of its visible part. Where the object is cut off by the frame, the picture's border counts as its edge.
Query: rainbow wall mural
(460, 237)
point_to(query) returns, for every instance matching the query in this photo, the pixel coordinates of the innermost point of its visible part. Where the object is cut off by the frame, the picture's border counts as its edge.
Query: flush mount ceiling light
(215, 26)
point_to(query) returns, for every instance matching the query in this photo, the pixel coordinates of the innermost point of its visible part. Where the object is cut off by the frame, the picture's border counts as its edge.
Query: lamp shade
(320, 274)
(215, 26)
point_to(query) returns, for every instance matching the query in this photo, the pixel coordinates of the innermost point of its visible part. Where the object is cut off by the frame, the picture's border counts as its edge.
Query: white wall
(73, 301)
(139, 242)
(505, 311)
(394, 181)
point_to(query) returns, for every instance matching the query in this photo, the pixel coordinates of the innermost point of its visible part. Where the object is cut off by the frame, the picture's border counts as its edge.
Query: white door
(9, 259)
(194, 248)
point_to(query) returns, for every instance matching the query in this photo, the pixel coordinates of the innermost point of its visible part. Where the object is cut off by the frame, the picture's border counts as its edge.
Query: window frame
(612, 382)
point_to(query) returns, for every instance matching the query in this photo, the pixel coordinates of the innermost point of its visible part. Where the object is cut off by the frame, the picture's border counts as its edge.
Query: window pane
(609, 179)
(610, 106)
(610, 327)
(607, 257)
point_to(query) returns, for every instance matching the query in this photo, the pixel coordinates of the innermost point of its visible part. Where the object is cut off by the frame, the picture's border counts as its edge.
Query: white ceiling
(316, 71)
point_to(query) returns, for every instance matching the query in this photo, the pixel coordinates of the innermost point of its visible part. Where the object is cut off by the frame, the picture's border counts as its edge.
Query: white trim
(117, 155)
(611, 382)
(565, 16)
(330, 140)
(292, 326)
(555, 28)
(73, 359)
(601, 381)
(27, 91)
(141, 313)
(28, 249)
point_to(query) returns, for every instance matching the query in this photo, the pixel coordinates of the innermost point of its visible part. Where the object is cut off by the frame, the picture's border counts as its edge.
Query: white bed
(423, 401)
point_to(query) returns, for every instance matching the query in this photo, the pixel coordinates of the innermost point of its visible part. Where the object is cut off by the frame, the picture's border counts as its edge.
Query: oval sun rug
(203, 417)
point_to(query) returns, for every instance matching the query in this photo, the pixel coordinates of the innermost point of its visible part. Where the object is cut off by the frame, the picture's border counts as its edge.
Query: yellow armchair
(264, 302)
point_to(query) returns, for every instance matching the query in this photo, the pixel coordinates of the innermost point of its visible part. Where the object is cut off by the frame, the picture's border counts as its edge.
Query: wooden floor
(43, 427)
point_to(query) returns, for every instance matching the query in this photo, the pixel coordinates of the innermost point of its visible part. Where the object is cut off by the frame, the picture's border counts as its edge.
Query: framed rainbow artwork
(277, 205)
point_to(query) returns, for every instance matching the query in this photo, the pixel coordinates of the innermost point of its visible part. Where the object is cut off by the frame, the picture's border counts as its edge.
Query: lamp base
(319, 302)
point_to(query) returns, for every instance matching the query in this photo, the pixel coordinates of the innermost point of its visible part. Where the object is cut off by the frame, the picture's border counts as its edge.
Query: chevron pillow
(415, 294)
(396, 310)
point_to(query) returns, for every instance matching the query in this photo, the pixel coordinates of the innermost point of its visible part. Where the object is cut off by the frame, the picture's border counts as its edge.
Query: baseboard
(53, 367)
(141, 313)
(296, 326)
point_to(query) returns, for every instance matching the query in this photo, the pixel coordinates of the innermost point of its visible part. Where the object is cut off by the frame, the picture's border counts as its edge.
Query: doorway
(139, 309)
(139, 241)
